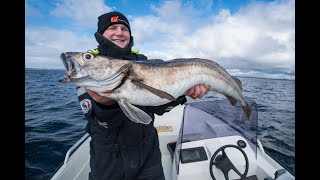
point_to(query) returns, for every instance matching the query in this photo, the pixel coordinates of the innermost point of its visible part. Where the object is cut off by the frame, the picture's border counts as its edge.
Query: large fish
(148, 83)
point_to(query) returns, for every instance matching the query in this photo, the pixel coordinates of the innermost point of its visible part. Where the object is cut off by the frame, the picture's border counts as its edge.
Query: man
(119, 148)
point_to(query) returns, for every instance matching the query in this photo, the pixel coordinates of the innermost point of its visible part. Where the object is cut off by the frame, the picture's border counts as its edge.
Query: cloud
(43, 45)
(259, 36)
(45, 50)
(83, 13)
(255, 39)
(171, 19)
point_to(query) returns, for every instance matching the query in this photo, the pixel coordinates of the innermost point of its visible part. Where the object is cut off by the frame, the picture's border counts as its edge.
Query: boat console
(217, 142)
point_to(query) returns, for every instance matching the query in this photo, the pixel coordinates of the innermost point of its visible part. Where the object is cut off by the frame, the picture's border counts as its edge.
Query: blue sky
(254, 38)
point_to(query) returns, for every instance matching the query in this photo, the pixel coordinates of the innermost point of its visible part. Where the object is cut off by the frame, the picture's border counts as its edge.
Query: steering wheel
(225, 165)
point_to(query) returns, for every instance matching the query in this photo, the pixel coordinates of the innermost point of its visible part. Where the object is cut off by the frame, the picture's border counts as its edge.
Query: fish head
(82, 66)
(92, 71)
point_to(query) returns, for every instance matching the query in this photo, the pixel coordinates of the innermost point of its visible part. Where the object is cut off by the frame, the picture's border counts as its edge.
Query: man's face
(118, 34)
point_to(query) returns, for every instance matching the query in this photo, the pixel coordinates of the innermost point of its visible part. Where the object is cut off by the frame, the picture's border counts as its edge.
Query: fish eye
(87, 56)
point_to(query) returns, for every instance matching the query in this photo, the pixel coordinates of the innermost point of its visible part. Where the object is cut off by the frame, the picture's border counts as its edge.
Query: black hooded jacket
(108, 123)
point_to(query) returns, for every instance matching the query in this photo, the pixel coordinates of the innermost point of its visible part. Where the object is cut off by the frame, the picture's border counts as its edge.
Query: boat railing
(270, 155)
(260, 146)
(74, 147)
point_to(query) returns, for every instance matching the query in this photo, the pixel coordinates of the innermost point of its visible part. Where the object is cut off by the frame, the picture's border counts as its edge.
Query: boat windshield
(217, 118)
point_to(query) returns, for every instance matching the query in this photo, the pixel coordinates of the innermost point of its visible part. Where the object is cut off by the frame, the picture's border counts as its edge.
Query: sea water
(54, 120)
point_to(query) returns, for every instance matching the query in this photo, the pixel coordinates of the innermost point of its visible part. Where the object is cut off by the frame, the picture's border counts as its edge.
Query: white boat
(201, 140)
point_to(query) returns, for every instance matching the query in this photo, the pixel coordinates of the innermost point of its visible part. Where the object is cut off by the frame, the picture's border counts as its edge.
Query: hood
(108, 48)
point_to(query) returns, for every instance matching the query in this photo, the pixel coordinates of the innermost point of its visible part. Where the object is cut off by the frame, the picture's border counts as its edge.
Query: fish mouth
(71, 66)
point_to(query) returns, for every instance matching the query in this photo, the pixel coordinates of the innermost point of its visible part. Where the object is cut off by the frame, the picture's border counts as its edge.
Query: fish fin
(247, 110)
(115, 79)
(232, 100)
(238, 82)
(133, 113)
(155, 91)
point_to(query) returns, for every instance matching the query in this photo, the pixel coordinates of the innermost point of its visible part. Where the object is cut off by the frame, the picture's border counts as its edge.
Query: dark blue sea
(54, 120)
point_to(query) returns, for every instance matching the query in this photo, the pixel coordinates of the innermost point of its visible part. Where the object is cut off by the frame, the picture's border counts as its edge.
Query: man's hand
(100, 99)
(198, 91)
